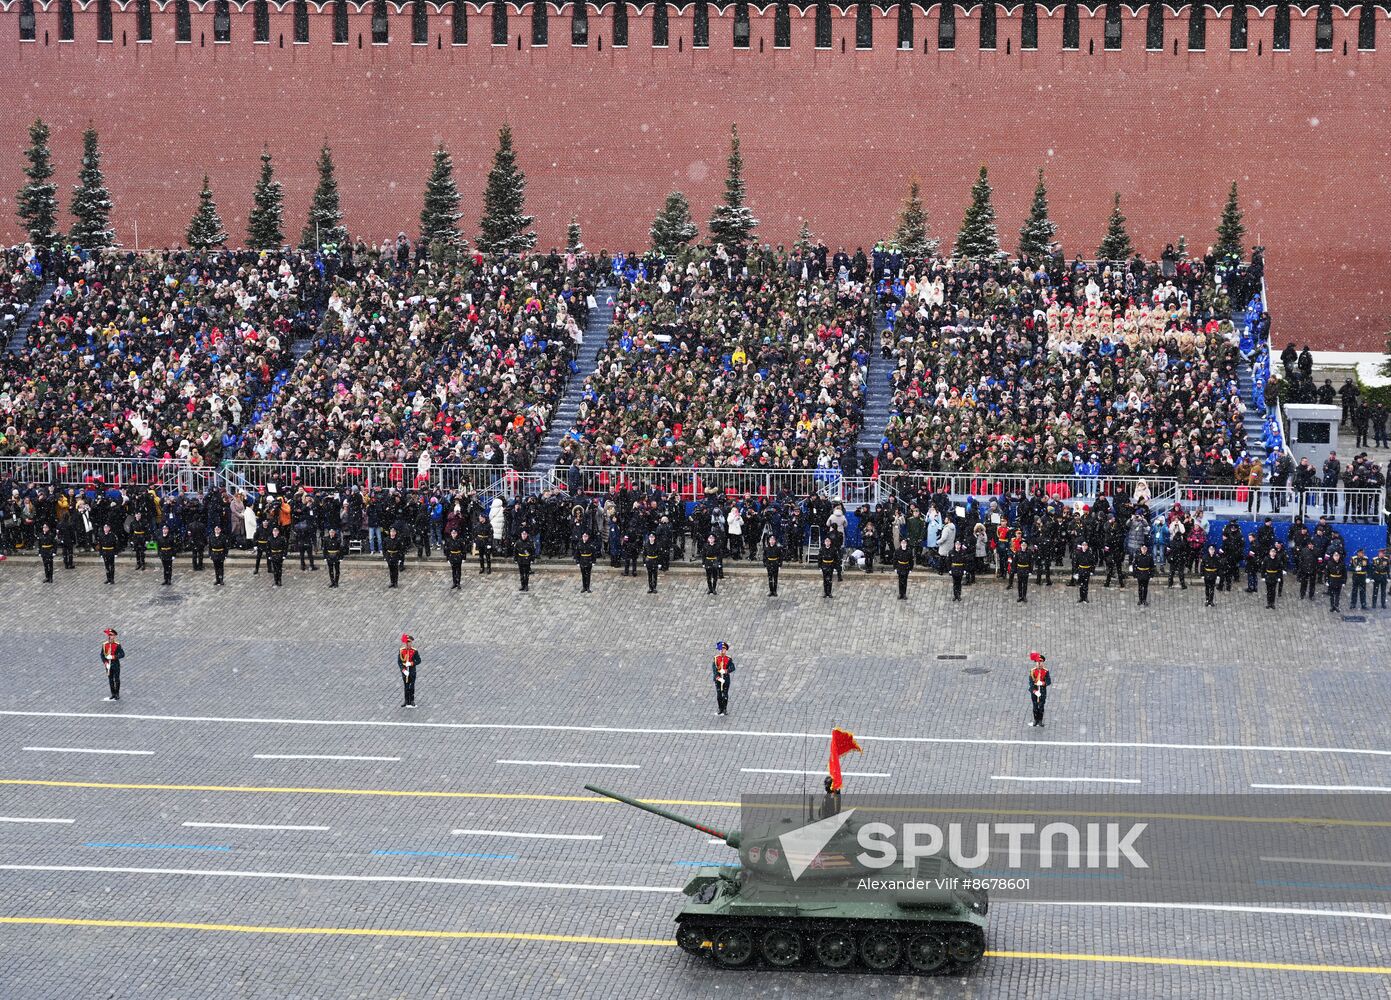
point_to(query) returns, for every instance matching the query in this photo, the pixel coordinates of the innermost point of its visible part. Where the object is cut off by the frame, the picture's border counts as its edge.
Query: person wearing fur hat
(408, 660)
(1039, 681)
(720, 670)
(111, 656)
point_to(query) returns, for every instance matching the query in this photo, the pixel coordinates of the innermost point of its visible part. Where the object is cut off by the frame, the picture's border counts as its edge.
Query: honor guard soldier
(710, 559)
(333, 555)
(652, 560)
(956, 565)
(1143, 568)
(408, 660)
(1358, 568)
(525, 553)
(772, 562)
(720, 670)
(197, 540)
(111, 656)
(455, 549)
(277, 548)
(394, 552)
(1023, 566)
(1211, 568)
(108, 544)
(67, 538)
(1273, 570)
(217, 551)
(47, 544)
(1335, 576)
(903, 565)
(586, 554)
(167, 547)
(1039, 681)
(829, 561)
(1083, 563)
(483, 541)
(1381, 570)
(262, 540)
(139, 536)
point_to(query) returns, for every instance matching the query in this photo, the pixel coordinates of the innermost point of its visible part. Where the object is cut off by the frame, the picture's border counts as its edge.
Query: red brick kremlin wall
(831, 134)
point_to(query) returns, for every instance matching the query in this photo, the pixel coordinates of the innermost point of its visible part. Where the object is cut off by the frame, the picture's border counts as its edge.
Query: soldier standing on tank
(1083, 562)
(1039, 682)
(1143, 569)
(108, 544)
(46, 544)
(1381, 570)
(111, 656)
(720, 671)
(524, 553)
(333, 555)
(772, 562)
(454, 550)
(652, 560)
(167, 547)
(903, 565)
(217, 550)
(408, 660)
(586, 555)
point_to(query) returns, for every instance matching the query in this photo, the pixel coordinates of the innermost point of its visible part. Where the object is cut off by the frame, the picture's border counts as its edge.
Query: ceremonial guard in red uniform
(111, 656)
(408, 660)
(1039, 679)
(720, 671)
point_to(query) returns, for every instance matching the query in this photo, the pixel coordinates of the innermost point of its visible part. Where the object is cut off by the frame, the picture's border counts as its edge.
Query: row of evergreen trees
(505, 228)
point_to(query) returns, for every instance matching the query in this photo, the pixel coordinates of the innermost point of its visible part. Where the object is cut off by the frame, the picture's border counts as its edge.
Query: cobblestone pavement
(232, 698)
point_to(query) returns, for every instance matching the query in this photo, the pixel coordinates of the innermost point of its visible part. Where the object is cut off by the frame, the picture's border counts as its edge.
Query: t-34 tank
(799, 898)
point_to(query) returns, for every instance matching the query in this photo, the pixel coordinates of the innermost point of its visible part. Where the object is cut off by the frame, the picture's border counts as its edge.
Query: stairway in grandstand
(878, 395)
(21, 330)
(596, 335)
(1252, 418)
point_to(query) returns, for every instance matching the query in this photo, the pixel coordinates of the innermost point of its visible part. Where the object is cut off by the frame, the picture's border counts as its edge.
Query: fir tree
(1036, 236)
(1230, 229)
(264, 223)
(37, 202)
(672, 229)
(91, 202)
(439, 219)
(1182, 247)
(205, 230)
(806, 242)
(503, 228)
(732, 223)
(911, 235)
(573, 242)
(324, 227)
(1115, 245)
(979, 238)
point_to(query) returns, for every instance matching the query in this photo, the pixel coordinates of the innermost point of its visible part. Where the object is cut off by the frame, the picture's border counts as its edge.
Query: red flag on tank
(842, 742)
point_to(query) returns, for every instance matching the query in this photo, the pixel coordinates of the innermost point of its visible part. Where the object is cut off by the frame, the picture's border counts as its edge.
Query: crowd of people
(21, 278)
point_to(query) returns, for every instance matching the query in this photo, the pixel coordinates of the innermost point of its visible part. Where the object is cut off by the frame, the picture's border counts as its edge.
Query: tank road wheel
(835, 949)
(782, 947)
(880, 950)
(732, 947)
(926, 952)
(691, 939)
(965, 949)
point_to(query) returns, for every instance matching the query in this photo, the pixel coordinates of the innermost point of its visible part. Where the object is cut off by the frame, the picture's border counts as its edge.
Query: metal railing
(76, 471)
(1356, 506)
(696, 484)
(286, 474)
(1056, 486)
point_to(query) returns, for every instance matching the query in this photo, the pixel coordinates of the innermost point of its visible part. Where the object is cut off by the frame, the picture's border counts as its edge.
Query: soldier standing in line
(333, 555)
(1083, 562)
(217, 550)
(710, 559)
(108, 544)
(1039, 681)
(652, 560)
(408, 660)
(1023, 566)
(957, 566)
(1358, 568)
(1211, 567)
(111, 656)
(1143, 569)
(262, 540)
(394, 552)
(197, 539)
(277, 548)
(903, 565)
(1335, 575)
(167, 547)
(772, 562)
(1274, 571)
(829, 561)
(139, 535)
(720, 670)
(454, 549)
(524, 554)
(586, 554)
(483, 541)
(1381, 570)
(67, 538)
(46, 545)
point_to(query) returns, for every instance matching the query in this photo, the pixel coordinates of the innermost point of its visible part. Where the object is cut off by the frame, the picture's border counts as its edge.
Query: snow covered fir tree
(912, 236)
(732, 223)
(37, 201)
(324, 227)
(264, 223)
(979, 238)
(1115, 245)
(574, 241)
(504, 227)
(91, 202)
(439, 218)
(1231, 231)
(1037, 235)
(205, 230)
(673, 227)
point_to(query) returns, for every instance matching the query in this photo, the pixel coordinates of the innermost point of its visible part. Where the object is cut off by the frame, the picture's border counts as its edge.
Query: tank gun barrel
(732, 838)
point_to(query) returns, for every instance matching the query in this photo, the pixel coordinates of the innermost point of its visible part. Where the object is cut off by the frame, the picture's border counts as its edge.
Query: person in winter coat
(945, 542)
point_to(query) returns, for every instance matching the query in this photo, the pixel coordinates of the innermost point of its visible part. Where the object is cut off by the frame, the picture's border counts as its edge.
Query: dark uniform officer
(455, 549)
(1083, 562)
(1273, 571)
(829, 561)
(524, 555)
(1023, 566)
(111, 656)
(108, 544)
(139, 535)
(197, 540)
(67, 538)
(1039, 681)
(1143, 568)
(277, 548)
(772, 562)
(394, 551)
(1358, 568)
(720, 670)
(408, 660)
(167, 547)
(1381, 570)
(262, 540)
(1211, 568)
(483, 541)
(710, 559)
(47, 544)
(652, 560)
(903, 565)
(217, 550)
(586, 554)
(333, 555)
(957, 566)
(1335, 575)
